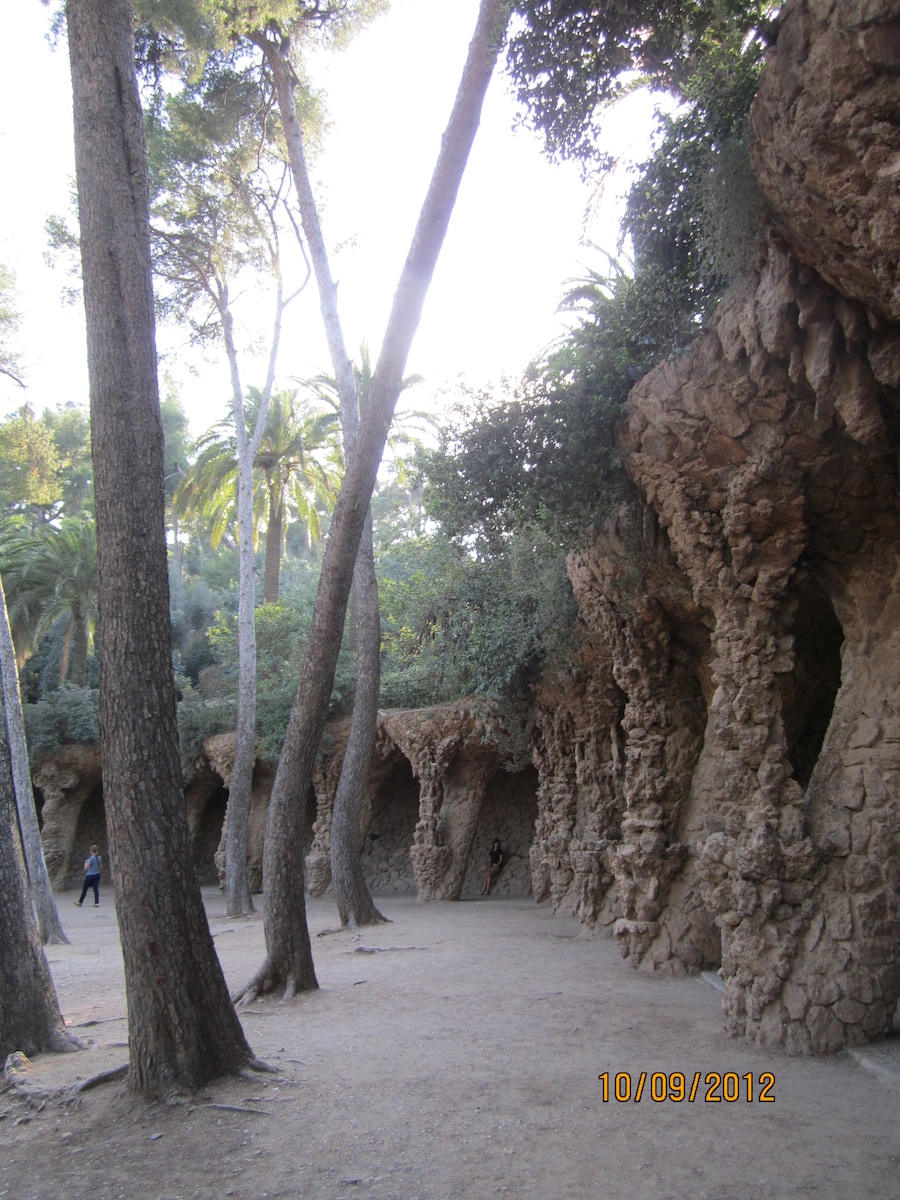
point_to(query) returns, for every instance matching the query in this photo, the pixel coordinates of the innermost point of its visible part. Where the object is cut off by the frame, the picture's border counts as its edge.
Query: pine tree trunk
(354, 901)
(240, 785)
(355, 904)
(30, 1020)
(288, 957)
(182, 1028)
(49, 927)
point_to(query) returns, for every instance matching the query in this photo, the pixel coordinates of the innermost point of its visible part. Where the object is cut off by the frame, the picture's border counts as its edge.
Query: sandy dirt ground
(459, 1061)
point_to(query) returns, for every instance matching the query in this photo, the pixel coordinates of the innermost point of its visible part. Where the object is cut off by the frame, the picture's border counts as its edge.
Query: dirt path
(461, 1062)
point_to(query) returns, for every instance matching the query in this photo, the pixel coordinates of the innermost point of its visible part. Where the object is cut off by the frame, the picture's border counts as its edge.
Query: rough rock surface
(437, 795)
(717, 784)
(750, 613)
(827, 143)
(65, 782)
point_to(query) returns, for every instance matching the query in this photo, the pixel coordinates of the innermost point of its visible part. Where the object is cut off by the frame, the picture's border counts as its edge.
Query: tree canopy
(569, 59)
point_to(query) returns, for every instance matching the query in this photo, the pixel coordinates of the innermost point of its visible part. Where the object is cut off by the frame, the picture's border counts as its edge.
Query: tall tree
(30, 1020)
(355, 905)
(218, 195)
(9, 321)
(51, 574)
(29, 464)
(288, 964)
(354, 901)
(49, 926)
(183, 1030)
(296, 473)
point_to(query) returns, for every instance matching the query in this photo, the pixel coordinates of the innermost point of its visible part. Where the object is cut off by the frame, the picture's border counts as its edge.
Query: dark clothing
(91, 881)
(496, 858)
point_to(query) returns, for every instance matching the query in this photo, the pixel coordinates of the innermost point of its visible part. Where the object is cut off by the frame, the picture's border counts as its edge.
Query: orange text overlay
(711, 1087)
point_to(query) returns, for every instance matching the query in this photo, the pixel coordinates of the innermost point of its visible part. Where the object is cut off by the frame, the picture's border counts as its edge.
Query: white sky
(515, 238)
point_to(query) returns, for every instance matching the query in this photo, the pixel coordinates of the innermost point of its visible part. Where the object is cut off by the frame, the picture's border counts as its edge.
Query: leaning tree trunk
(288, 960)
(240, 786)
(30, 1019)
(354, 900)
(182, 1028)
(51, 930)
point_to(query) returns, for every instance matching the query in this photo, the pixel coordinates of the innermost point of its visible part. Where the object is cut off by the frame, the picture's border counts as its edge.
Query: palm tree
(52, 574)
(297, 467)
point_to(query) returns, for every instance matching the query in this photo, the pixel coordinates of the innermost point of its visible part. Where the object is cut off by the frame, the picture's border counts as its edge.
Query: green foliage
(281, 635)
(29, 463)
(543, 453)
(297, 465)
(176, 34)
(200, 717)
(9, 325)
(45, 463)
(176, 439)
(67, 714)
(194, 606)
(568, 60)
(70, 430)
(694, 212)
(217, 180)
(457, 623)
(53, 574)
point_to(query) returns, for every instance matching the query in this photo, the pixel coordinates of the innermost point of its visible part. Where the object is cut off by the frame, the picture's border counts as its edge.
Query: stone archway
(90, 830)
(809, 692)
(207, 836)
(394, 811)
(508, 812)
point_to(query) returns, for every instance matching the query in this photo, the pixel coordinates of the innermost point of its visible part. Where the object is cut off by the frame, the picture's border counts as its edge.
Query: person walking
(92, 868)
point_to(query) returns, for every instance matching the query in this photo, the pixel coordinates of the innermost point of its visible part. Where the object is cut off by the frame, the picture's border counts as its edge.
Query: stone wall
(508, 812)
(753, 820)
(393, 813)
(718, 784)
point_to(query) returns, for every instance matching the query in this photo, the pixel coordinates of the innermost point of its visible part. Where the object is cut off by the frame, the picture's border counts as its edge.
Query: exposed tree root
(268, 980)
(384, 949)
(15, 1080)
(65, 1043)
(258, 1112)
(260, 1067)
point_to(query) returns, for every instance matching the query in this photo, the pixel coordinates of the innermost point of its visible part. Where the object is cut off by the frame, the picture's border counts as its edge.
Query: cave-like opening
(811, 690)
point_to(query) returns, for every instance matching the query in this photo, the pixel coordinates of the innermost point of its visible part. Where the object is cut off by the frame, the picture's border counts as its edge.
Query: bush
(65, 715)
(198, 719)
(458, 623)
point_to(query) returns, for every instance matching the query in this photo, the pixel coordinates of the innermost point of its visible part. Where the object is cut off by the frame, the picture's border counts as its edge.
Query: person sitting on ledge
(494, 866)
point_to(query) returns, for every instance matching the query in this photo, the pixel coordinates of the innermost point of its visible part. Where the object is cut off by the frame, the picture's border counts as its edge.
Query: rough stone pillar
(763, 450)
(464, 791)
(577, 753)
(65, 781)
(430, 857)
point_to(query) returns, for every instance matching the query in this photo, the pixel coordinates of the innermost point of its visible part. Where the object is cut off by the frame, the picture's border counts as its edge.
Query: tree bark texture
(240, 787)
(287, 937)
(30, 1019)
(274, 547)
(183, 1031)
(49, 926)
(354, 902)
(240, 784)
